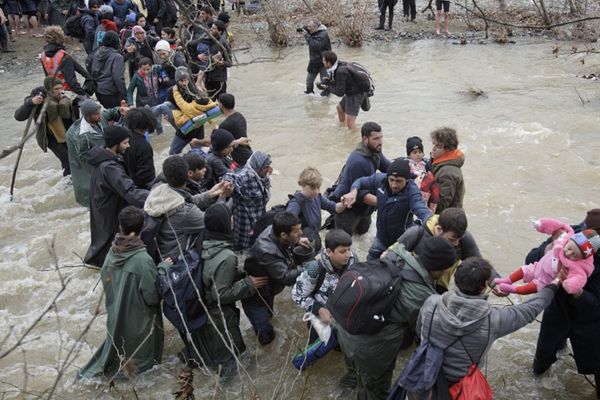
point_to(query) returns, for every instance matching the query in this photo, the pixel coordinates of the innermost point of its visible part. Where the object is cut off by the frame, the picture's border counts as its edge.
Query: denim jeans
(260, 318)
(165, 109)
(376, 249)
(178, 144)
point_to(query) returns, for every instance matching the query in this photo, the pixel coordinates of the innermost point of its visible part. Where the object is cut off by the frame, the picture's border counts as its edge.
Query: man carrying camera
(317, 39)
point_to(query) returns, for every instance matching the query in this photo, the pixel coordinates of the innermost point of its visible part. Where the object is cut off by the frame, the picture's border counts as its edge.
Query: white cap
(162, 45)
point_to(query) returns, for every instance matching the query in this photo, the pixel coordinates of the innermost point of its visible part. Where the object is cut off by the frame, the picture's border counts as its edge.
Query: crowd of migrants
(423, 279)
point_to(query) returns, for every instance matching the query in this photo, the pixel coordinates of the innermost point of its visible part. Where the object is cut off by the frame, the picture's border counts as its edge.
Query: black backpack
(365, 295)
(149, 236)
(362, 77)
(179, 285)
(266, 220)
(73, 27)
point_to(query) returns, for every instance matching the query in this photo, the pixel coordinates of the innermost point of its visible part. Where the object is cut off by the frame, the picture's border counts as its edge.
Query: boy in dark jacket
(318, 42)
(89, 23)
(398, 199)
(139, 161)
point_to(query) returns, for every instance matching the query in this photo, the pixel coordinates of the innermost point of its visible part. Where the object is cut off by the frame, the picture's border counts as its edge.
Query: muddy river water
(532, 150)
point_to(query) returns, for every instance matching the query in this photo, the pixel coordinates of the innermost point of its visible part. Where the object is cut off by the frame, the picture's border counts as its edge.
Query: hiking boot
(349, 380)
(309, 92)
(324, 93)
(379, 28)
(264, 338)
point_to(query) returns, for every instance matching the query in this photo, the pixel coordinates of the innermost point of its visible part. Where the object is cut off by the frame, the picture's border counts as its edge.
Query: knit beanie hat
(413, 143)
(162, 45)
(437, 255)
(137, 29)
(592, 219)
(111, 39)
(588, 242)
(220, 139)
(399, 168)
(89, 107)
(114, 135)
(181, 73)
(106, 12)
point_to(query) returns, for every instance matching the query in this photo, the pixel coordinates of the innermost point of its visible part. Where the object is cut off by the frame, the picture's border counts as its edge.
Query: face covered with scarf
(260, 162)
(218, 223)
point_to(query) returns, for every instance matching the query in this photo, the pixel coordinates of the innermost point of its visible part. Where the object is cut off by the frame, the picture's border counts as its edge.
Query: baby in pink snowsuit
(572, 251)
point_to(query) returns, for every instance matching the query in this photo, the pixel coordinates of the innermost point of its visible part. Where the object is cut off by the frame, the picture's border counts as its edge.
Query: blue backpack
(422, 377)
(179, 285)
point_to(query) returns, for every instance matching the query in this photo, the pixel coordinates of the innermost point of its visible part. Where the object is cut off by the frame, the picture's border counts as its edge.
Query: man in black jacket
(271, 255)
(215, 78)
(112, 191)
(318, 41)
(344, 84)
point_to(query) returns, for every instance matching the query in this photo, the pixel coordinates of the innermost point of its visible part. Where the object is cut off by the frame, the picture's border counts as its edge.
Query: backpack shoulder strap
(486, 344)
(320, 277)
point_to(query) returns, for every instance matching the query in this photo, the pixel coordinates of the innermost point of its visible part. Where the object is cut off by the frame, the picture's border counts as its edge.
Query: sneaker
(309, 92)
(379, 28)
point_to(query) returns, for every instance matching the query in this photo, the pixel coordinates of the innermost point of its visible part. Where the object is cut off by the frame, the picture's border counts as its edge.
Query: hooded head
(111, 39)
(217, 222)
(259, 161)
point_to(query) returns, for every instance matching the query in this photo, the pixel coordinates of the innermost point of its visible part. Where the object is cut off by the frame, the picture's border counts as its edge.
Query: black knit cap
(437, 254)
(220, 139)
(114, 135)
(413, 143)
(399, 168)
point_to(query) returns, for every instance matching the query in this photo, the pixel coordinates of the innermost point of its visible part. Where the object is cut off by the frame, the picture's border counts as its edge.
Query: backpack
(149, 236)
(266, 220)
(365, 294)
(474, 385)
(179, 285)
(73, 27)
(362, 77)
(421, 377)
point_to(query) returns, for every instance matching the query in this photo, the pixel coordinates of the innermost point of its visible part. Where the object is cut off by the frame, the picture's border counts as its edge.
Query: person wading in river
(113, 191)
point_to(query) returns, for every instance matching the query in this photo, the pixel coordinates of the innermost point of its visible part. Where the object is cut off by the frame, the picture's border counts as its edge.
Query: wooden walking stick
(24, 139)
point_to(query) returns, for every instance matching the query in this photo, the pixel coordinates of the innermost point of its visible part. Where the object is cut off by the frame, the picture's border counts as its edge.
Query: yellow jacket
(187, 111)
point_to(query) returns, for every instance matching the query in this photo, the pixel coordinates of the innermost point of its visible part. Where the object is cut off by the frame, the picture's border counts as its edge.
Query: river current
(532, 150)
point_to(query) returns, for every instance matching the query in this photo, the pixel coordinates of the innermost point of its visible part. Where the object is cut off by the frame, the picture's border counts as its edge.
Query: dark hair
(283, 222)
(138, 16)
(169, 31)
(224, 17)
(175, 169)
(195, 161)
(227, 100)
(336, 238)
(140, 119)
(329, 56)
(453, 219)
(472, 275)
(369, 127)
(145, 61)
(220, 25)
(207, 9)
(446, 137)
(94, 3)
(131, 219)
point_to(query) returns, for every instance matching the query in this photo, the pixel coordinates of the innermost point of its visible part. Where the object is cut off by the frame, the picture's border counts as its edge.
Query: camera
(302, 29)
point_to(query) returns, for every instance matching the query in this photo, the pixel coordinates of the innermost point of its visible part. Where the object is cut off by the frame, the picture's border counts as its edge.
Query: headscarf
(217, 222)
(259, 160)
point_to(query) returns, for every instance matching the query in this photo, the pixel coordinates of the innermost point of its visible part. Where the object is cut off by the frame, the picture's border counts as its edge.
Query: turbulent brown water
(531, 149)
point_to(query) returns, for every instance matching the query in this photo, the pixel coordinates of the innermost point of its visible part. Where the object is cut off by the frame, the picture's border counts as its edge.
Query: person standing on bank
(343, 83)
(318, 42)
(389, 4)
